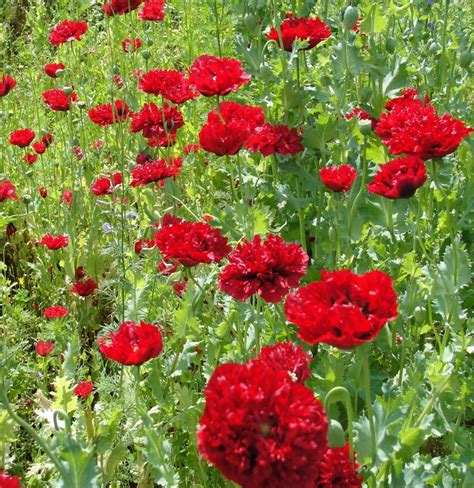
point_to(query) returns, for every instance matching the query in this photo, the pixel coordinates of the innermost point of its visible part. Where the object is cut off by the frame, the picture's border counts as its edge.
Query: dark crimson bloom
(44, 348)
(22, 137)
(107, 114)
(78, 152)
(119, 81)
(217, 76)
(67, 31)
(344, 309)
(30, 158)
(152, 10)
(292, 28)
(362, 115)
(143, 244)
(59, 100)
(120, 7)
(10, 229)
(7, 481)
(131, 44)
(54, 242)
(80, 273)
(39, 147)
(399, 178)
(229, 128)
(286, 357)
(47, 139)
(410, 97)
(84, 287)
(7, 191)
(156, 171)
(270, 268)
(7, 83)
(43, 192)
(271, 139)
(170, 84)
(56, 312)
(338, 178)
(53, 68)
(261, 429)
(179, 287)
(132, 344)
(191, 243)
(84, 389)
(337, 471)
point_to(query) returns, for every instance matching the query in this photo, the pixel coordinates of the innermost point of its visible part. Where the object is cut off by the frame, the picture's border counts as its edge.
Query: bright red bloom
(53, 68)
(101, 186)
(228, 130)
(155, 171)
(119, 82)
(39, 147)
(286, 357)
(361, 115)
(22, 137)
(152, 10)
(56, 312)
(78, 152)
(337, 471)
(270, 268)
(271, 139)
(54, 242)
(304, 29)
(399, 178)
(67, 31)
(410, 97)
(47, 139)
(191, 243)
(106, 114)
(132, 344)
(170, 84)
(128, 43)
(117, 178)
(30, 158)
(179, 287)
(84, 389)
(7, 83)
(44, 348)
(344, 309)
(338, 178)
(66, 197)
(143, 244)
(7, 481)
(58, 100)
(217, 76)
(83, 287)
(120, 7)
(261, 429)
(7, 191)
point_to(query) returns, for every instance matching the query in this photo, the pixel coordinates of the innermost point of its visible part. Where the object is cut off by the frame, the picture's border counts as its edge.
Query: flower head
(7, 481)
(67, 31)
(44, 348)
(272, 139)
(52, 69)
(338, 178)
(55, 312)
(107, 114)
(58, 100)
(170, 84)
(153, 10)
(120, 7)
(84, 287)
(156, 171)
(7, 83)
(131, 44)
(337, 471)
(54, 242)
(84, 389)
(22, 137)
(7, 191)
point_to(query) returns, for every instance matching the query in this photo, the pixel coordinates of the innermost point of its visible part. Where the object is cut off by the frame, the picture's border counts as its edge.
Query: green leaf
(396, 79)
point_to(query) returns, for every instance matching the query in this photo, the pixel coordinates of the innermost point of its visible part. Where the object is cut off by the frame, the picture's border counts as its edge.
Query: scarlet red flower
(155, 171)
(47, 139)
(84, 389)
(338, 178)
(132, 344)
(143, 244)
(217, 76)
(56, 312)
(44, 348)
(7, 83)
(271, 139)
(39, 147)
(361, 115)
(286, 357)
(66, 197)
(7, 191)
(53, 68)
(399, 178)
(78, 152)
(344, 309)
(128, 43)
(170, 84)
(67, 31)
(119, 82)
(191, 243)
(180, 286)
(337, 471)
(80, 272)
(54, 242)
(58, 100)
(228, 129)
(120, 7)
(261, 429)
(30, 158)
(270, 269)
(292, 28)
(101, 186)
(7, 481)
(152, 10)
(22, 137)
(84, 287)
(106, 114)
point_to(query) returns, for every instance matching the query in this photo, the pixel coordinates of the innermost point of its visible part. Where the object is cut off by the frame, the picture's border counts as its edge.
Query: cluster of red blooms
(24, 137)
(58, 100)
(152, 10)
(107, 114)
(83, 286)
(156, 171)
(131, 44)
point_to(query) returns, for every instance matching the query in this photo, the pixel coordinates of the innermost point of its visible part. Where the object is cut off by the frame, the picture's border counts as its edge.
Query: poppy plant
(83, 389)
(156, 171)
(7, 83)
(84, 287)
(272, 139)
(338, 178)
(67, 31)
(22, 137)
(107, 114)
(120, 7)
(153, 10)
(58, 100)
(54, 242)
(170, 84)
(44, 348)
(52, 69)
(7, 191)
(55, 312)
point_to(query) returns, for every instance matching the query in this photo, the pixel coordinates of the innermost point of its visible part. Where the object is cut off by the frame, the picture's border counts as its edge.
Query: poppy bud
(390, 45)
(465, 59)
(434, 47)
(420, 315)
(43, 192)
(26, 199)
(351, 15)
(336, 437)
(146, 54)
(68, 90)
(81, 105)
(365, 127)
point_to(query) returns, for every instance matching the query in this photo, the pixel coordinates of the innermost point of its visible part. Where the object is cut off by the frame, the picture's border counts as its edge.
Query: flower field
(236, 242)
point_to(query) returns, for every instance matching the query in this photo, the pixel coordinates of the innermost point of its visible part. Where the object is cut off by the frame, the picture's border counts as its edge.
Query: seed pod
(390, 45)
(146, 54)
(351, 15)
(250, 22)
(336, 436)
(434, 47)
(420, 315)
(465, 59)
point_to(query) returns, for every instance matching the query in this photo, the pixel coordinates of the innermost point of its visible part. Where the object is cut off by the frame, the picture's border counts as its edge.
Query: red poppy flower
(7, 83)
(120, 7)
(47, 139)
(399, 178)
(337, 471)
(292, 28)
(143, 244)
(410, 98)
(191, 243)
(229, 128)
(132, 44)
(165, 139)
(54, 242)
(106, 114)
(152, 10)
(270, 268)
(7, 191)
(286, 357)
(67, 31)
(155, 122)
(132, 344)
(22, 137)
(361, 115)
(170, 84)
(119, 82)
(101, 186)
(338, 178)
(56, 312)
(344, 309)
(66, 197)
(155, 171)
(7, 481)
(53, 68)
(80, 272)
(179, 287)
(30, 158)
(59, 100)
(44, 348)
(261, 429)
(84, 389)
(39, 147)
(84, 287)
(78, 152)
(271, 139)
(217, 76)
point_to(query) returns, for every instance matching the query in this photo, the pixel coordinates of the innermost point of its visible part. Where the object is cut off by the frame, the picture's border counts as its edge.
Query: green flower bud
(351, 15)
